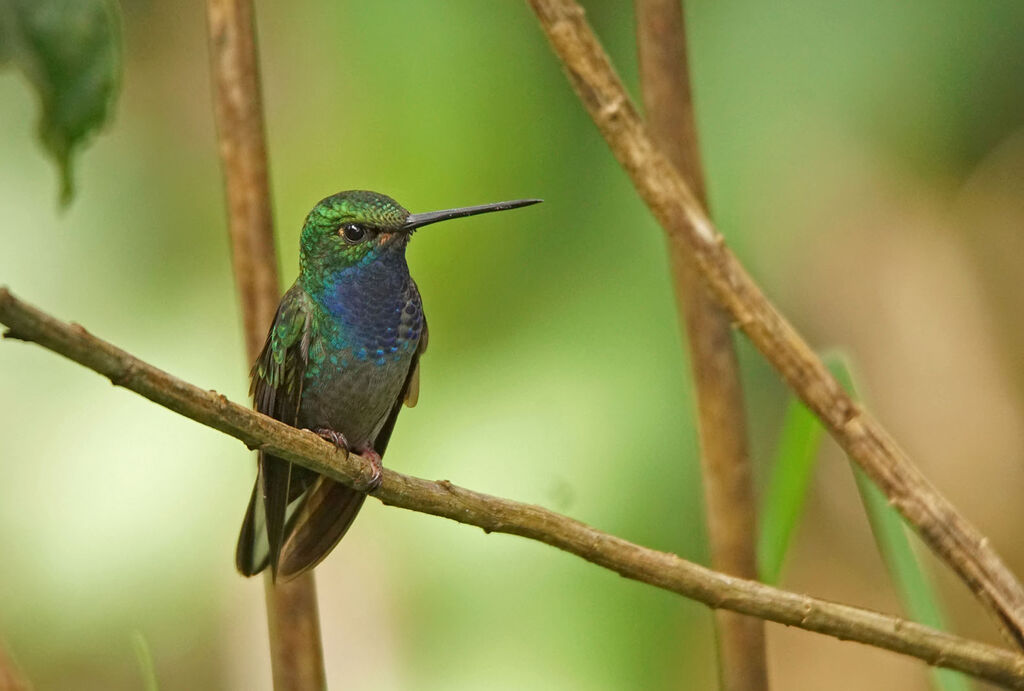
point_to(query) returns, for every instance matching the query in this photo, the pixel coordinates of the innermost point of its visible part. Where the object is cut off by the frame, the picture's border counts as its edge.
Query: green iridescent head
(350, 227)
(353, 228)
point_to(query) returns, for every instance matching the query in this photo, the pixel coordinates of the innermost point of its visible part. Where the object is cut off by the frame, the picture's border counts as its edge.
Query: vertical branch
(728, 485)
(294, 627)
(243, 155)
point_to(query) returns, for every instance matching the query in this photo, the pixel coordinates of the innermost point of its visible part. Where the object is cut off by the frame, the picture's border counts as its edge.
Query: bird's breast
(365, 339)
(375, 328)
(375, 310)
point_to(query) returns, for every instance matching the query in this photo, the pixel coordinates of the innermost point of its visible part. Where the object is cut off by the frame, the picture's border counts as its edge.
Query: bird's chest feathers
(373, 312)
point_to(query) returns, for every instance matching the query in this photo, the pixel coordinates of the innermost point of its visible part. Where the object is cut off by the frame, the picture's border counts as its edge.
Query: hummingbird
(341, 359)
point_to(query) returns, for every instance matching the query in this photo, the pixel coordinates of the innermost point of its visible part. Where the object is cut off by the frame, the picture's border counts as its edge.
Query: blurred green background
(865, 160)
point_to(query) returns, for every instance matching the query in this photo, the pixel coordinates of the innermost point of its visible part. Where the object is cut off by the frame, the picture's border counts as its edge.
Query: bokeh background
(865, 160)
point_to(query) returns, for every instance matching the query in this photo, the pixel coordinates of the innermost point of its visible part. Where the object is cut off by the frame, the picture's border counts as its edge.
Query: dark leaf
(70, 52)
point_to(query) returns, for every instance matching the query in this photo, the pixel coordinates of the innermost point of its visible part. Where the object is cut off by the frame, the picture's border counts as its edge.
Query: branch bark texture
(725, 462)
(673, 203)
(296, 652)
(243, 153)
(493, 514)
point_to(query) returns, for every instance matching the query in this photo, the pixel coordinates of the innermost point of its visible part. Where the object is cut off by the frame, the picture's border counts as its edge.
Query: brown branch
(243, 153)
(493, 514)
(725, 463)
(296, 652)
(672, 202)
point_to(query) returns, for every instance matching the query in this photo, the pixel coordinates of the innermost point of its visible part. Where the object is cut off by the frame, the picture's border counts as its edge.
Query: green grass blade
(787, 488)
(145, 659)
(915, 590)
(784, 503)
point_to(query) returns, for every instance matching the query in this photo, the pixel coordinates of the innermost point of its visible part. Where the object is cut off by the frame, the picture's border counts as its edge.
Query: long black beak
(420, 220)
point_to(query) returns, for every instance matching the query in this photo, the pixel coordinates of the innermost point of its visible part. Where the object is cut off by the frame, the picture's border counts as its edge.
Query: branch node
(124, 377)
(220, 401)
(613, 108)
(808, 610)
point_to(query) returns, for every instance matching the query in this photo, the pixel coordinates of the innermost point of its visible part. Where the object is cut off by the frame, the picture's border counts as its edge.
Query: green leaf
(784, 503)
(145, 660)
(915, 590)
(70, 51)
(787, 488)
(791, 474)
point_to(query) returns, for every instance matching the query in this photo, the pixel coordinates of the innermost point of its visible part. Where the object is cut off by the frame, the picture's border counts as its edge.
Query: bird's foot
(336, 438)
(378, 471)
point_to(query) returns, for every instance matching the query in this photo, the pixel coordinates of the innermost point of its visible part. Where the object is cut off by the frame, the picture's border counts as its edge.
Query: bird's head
(354, 228)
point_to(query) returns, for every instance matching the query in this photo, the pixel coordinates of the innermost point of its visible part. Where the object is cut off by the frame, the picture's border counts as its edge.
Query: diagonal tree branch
(493, 514)
(296, 653)
(671, 201)
(725, 462)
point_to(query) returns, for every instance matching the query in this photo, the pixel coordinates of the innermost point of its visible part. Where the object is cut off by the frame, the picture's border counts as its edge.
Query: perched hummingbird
(341, 358)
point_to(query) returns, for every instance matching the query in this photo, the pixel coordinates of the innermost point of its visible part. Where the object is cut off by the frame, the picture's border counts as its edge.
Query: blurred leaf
(916, 592)
(784, 503)
(145, 659)
(791, 475)
(787, 488)
(70, 51)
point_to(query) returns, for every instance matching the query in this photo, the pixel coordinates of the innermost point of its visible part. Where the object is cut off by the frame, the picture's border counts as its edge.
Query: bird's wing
(277, 379)
(279, 370)
(410, 393)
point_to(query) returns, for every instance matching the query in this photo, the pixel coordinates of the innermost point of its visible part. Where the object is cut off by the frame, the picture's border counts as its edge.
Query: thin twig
(671, 201)
(725, 463)
(296, 652)
(494, 514)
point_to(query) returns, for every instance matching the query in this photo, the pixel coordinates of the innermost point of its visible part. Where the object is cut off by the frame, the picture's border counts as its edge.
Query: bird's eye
(353, 232)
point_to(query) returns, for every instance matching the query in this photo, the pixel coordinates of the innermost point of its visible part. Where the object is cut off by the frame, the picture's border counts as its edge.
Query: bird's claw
(336, 438)
(378, 471)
